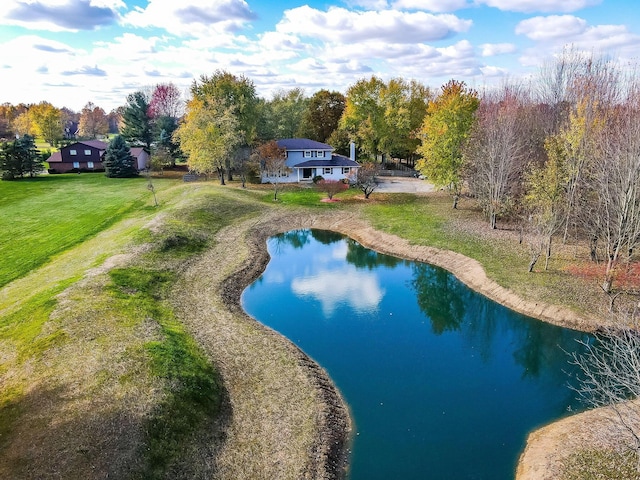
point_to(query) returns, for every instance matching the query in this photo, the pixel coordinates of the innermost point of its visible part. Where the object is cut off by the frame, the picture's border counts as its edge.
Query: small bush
(53, 171)
(317, 178)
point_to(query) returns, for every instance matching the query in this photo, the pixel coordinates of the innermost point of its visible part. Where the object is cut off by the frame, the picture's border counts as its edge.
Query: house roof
(335, 161)
(55, 157)
(136, 151)
(302, 144)
(95, 144)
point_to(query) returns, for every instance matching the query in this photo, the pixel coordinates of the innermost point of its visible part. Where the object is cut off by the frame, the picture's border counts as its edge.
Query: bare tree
(365, 178)
(273, 165)
(609, 376)
(496, 152)
(618, 185)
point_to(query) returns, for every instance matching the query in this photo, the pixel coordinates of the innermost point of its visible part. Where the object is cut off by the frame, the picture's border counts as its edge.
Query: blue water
(442, 382)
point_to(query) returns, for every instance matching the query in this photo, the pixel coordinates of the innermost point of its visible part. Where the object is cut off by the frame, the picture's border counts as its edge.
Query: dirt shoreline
(333, 441)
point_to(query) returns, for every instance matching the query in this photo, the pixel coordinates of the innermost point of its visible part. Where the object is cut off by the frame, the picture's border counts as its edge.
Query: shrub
(331, 187)
(317, 179)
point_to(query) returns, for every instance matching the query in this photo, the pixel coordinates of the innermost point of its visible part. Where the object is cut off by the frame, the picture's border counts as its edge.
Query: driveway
(403, 185)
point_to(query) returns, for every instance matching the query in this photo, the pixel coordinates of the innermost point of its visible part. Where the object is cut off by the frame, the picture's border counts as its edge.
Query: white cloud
(529, 6)
(431, 5)
(361, 290)
(192, 17)
(552, 27)
(338, 25)
(491, 49)
(60, 15)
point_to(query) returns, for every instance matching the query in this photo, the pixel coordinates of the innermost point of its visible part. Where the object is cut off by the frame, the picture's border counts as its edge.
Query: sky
(70, 52)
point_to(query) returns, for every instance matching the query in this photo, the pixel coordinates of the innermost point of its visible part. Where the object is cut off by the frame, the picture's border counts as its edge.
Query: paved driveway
(403, 185)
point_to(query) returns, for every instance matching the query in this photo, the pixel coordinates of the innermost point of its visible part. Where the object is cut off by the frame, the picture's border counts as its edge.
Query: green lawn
(46, 215)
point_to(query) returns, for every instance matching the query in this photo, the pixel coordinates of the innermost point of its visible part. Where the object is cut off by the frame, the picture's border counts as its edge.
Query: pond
(442, 383)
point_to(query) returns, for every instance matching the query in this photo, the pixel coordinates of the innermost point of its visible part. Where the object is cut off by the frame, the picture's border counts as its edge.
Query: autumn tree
(322, 115)
(137, 125)
(235, 95)
(282, 115)
(23, 125)
(208, 135)
(405, 106)
(363, 116)
(331, 187)
(273, 164)
(496, 152)
(545, 199)
(118, 161)
(365, 178)
(93, 121)
(166, 101)
(617, 178)
(47, 122)
(444, 132)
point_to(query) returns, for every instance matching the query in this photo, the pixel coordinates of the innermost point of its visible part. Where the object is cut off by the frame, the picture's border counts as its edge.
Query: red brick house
(86, 156)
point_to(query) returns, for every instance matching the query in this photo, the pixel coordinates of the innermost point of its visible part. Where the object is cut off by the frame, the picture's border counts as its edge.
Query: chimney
(352, 151)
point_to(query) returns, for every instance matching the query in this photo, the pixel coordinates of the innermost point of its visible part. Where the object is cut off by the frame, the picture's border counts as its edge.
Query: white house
(307, 159)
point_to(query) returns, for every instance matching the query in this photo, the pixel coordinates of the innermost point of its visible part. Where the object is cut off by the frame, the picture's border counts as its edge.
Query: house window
(320, 153)
(327, 171)
(307, 154)
(76, 164)
(89, 164)
(346, 170)
(73, 152)
(87, 152)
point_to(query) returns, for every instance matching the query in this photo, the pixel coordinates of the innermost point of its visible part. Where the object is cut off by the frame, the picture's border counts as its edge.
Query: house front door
(307, 173)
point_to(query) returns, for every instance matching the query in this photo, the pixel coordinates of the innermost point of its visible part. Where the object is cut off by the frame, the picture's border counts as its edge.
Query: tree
(282, 116)
(47, 122)
(237, 96)
(617, 178)
(609, 369)
(331, 187)
(209, 135)
(322, 115)
(136, 120)
(273, 164)
(405, 106)
(93, 121)
(118, 161)
(166, 101)
(19, 158)
(496, 153)
(22, 124)
(444, 132)
(545, 199)
(363, 116)
(365, 178)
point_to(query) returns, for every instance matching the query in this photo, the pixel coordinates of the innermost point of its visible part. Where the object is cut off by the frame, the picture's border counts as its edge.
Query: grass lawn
(44, 216)
(111, 354)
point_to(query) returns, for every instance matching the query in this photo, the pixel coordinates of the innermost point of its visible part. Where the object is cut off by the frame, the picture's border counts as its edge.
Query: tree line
(557, 155)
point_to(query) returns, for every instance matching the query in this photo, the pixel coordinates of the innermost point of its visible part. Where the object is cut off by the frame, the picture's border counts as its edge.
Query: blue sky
(70, 52)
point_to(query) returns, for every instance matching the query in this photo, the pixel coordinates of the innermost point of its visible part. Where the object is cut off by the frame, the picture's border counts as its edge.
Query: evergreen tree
(118, 161)
(19, 158)
(137, 122)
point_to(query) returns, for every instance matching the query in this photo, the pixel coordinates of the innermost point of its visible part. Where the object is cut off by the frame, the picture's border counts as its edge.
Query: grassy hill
(119, 353)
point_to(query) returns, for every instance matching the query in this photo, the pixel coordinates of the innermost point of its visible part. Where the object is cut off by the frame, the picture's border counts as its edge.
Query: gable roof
(95, 144)
(99, 144)
(55, 157)
(335, 161)
(302, 144)
(136, 151)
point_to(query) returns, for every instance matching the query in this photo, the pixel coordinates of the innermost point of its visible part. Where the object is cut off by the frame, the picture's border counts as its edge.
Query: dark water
(442, 383)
